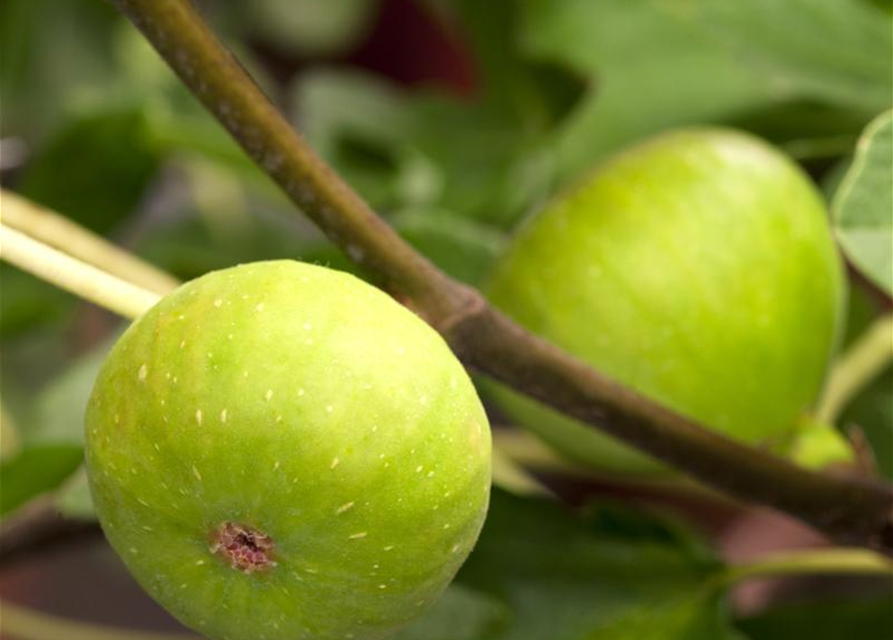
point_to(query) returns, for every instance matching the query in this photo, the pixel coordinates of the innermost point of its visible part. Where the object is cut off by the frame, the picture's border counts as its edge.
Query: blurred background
(455, 119)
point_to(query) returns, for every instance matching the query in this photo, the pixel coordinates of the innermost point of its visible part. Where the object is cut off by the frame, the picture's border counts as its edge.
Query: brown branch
(853, 510)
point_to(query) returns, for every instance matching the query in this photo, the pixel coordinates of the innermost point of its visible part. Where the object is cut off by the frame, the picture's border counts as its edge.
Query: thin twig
(854, 510)
(61, 233)
(74, 276)
(864, 360)
(832, 561)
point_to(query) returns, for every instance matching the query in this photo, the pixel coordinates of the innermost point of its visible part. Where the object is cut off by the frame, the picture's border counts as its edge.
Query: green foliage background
(95, 126)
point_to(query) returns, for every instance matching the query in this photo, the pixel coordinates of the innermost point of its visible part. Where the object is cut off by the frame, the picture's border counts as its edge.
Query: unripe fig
(281, 451)
(697, 269)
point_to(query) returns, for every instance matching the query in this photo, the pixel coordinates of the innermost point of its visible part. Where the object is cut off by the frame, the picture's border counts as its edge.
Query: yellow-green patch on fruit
(282, 451)
(697, 269)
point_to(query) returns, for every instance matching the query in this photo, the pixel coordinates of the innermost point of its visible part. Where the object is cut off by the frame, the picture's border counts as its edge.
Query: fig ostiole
(698, 269)
(281, 451)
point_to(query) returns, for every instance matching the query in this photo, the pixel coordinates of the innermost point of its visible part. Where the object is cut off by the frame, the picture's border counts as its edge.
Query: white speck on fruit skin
(143, 372)
(334, 464)
(418, 469)
(276, 466)
(344, 507)
(199, 563)
(198, 416)
(430, 474)
(196, 473)
(182, 343)
(218, 302)
(307, 326)
(358, 536)
(382, 586)
(300, 392)
(260, 307)
(268, 395)
(389, 547)
(455, 549)
(142, 502)
(223, 416)
(117, 418)
(329, 408)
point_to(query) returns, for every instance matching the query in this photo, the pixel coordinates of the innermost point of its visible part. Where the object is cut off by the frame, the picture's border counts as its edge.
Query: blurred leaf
(657, 65)
(41, 80)
(464, 249)
(59, 408)
(460, 614)
(35, 471)
(866, 619)
(73, 499)
(27, 302)
(309, 27)
(403, 150)
(863, 204)
(95, 170)
(610, 575)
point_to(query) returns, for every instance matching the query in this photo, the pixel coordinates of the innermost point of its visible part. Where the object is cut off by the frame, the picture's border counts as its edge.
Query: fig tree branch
(850, 509)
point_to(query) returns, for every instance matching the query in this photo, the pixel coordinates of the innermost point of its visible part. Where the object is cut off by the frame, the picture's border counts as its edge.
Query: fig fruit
(281, 451)
(698, 269)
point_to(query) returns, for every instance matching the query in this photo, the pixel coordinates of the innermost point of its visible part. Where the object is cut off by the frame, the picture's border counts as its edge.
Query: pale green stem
(835, 561)
(27, 624)
(74, 276)
(59, 232)
(864, 360)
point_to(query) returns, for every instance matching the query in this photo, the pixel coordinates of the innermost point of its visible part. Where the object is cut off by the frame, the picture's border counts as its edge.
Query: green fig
(697, 269)
(281, 451)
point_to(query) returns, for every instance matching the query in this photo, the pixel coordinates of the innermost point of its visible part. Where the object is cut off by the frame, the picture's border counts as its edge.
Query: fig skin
(698, 269)
(308, 419)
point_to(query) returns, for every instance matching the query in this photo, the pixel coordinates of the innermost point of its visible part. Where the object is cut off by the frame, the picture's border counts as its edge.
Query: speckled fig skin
(697, 268)
(309, 408)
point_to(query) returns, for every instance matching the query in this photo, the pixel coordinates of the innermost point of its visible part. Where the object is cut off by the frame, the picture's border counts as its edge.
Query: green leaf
(310, 27)
(863, 204)
(463, 248)
(460, 614)
(58, 411)
(402, 150)
(610, 574)
(94, 170)
(860, 619)
(34, 471)
(73, 499)
(656, 65)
